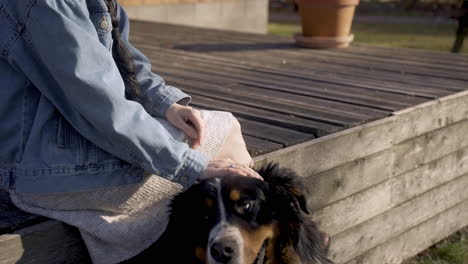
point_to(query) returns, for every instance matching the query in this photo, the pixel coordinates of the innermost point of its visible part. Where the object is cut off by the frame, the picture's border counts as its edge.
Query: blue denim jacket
(65, 123)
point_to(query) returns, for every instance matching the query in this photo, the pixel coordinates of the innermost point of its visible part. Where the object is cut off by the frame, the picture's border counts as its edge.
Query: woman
(90, 136)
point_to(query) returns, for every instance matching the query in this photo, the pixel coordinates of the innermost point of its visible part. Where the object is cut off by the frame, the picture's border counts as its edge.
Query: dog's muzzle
(225, 245)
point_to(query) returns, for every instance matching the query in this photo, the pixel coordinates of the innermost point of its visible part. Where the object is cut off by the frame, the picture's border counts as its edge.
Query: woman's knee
(236, 127)
(234, 146)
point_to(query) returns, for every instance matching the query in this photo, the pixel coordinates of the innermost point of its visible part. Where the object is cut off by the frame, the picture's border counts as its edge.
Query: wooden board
(418, 238)
(48, 242)
(341, 147)
(415, 156)
(363, 237)
(12, 218)
(379, 198)
(342, 88)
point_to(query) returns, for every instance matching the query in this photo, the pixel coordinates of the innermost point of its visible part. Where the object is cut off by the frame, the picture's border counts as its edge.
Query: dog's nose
(222, 252)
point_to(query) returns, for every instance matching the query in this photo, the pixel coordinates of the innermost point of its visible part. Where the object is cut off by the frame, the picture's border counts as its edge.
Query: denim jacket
(65, 123)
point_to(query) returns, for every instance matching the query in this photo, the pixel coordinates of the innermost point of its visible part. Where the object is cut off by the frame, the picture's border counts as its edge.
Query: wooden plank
(396, 221)
(429, 152)
(217, 41)
(394, 65)
(417, 239)
(366, 204)
(291, 122)
(283, 63)
(286, 96)
(310, 72)
(285, 137)
(361, 141)
(263, 103)
(339, 77)
(357, 72)
(341, 92)
(257, 146)
(199, 41)
(429, 57)
(49, 242)
(372, 201)
(12, 218)
(304, 73)
(459, 60)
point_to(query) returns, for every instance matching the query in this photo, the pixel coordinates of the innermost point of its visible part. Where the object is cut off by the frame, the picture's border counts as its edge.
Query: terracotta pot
(326, 23)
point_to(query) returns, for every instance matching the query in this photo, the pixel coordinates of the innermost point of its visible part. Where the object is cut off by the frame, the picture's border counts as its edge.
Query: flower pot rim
(323, 42)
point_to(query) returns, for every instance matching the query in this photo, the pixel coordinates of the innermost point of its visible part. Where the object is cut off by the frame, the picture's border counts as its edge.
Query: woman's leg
(234, 147)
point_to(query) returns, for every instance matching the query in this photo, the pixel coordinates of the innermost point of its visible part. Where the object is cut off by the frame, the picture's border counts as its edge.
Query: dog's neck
(261, 255)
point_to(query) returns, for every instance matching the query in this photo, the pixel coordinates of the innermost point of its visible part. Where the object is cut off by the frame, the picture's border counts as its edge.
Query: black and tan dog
(241, 220)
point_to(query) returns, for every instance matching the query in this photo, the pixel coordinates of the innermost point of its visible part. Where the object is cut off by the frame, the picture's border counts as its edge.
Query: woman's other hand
(188, 120)
(224, 167)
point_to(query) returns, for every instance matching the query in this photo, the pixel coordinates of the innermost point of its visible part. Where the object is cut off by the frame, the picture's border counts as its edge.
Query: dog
(241, 220)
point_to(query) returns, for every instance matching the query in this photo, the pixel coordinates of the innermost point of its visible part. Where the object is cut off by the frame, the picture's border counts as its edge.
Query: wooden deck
(284, 95)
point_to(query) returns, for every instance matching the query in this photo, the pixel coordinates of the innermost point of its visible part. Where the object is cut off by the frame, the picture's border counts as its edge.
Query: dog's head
(242, 220)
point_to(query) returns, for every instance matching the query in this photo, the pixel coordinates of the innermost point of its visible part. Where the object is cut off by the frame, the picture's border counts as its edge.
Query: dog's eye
(245, 207)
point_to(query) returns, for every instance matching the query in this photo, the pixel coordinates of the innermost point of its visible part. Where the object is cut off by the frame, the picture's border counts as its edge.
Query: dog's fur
(241, 220)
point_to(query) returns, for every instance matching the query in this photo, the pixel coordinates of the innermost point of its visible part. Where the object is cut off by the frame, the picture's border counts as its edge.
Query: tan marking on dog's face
(289, 255)
(209, 202)
(253, 241)
(234, 195)
(200, 253)
(270, 249)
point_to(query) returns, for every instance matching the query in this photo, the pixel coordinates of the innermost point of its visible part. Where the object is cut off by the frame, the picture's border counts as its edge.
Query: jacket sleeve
(79, 76)
(159, 95)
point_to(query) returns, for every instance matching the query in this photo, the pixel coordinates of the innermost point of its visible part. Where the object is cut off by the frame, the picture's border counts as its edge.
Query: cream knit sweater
(119, 222)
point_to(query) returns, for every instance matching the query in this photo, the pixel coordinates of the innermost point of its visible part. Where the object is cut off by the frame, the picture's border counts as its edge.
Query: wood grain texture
(418, 238)
(445, 148)
(12, 218)
(358, 142)
(394, 222)
(49, 242)
(355, 209)
(342, 88)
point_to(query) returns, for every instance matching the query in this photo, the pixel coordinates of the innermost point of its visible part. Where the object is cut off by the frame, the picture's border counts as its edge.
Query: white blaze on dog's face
(239, 232)
(225, 241)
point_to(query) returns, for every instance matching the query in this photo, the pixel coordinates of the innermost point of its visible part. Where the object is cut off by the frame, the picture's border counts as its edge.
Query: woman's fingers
(187, 129)
(188, 120)
(195, 118)
(244, 170)
(219, 168)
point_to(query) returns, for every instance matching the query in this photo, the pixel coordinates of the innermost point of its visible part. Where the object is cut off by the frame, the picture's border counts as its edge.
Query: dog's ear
(311, 245)
(298, 237)
(286, 186)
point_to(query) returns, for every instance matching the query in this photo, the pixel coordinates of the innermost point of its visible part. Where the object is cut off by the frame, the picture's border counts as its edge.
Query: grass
(453, 250)
(433, 36)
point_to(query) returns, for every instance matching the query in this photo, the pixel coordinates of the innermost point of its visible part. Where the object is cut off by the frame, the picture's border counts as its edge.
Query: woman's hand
(226, 167)
(188, 120)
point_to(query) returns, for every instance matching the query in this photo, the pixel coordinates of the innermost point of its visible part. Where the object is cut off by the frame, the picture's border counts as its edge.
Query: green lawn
(453, 250)
(438, 37)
